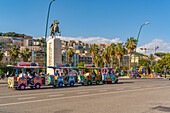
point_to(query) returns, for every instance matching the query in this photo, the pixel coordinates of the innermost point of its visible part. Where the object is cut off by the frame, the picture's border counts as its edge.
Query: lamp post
(46, 33)
(137, 43)
(157, 47)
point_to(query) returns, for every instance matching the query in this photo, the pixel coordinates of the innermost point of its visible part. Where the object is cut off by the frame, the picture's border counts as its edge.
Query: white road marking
(82, 92)
(55, 95)
(26, 98)
(42, 100)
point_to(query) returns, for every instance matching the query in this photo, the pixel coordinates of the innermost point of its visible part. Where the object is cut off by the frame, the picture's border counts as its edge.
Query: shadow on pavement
(77, 85)
(162, 108)
(64, 87)
(124, 82)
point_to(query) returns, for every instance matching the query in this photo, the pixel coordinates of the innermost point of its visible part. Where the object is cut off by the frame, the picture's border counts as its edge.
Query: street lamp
(46, 33)
(137, 42)
(157, 47)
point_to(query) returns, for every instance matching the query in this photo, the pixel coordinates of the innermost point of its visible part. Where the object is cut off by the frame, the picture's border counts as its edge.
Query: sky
(92, 21)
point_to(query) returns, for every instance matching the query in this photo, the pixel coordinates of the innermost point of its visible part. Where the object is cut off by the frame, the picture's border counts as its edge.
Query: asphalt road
(128, 96)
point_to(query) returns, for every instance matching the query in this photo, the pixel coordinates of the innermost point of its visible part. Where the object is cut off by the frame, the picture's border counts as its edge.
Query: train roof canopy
(62, 67)
(31, 67)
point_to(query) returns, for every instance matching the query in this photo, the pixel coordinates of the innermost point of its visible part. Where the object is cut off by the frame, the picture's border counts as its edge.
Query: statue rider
(54, 28)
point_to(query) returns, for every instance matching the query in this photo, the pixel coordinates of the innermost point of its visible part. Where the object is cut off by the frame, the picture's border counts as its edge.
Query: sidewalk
(126, 78)
(5, 81)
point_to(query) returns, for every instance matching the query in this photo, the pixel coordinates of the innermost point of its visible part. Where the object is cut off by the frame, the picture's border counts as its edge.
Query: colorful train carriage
(21, 82)
(109, 75)
(66, 75)
(88, 75)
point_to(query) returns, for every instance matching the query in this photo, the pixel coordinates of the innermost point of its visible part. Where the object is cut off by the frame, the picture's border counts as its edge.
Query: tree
(1, 55)
(93, 50)
(151, 57)
(111, 53)
(160, 54)
(13, 53)
(97, 60)
(70, 54)
(130, 45)
(164, 62)
(1, 33)
(104, 57)
(13, 34)
(144, 62)
(119, 51)
(25, 55)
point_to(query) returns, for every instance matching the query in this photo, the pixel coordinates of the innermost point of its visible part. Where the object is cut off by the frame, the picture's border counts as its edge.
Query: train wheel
(97, 82)
(72, 84)
(60, 84)
(22, 87)
(89, 82)
(37, 86)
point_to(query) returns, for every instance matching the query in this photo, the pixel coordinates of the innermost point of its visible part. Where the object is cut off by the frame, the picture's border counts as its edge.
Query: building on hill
(38, 56)
(28, 37)
(75, 58)
(137, 58)
(125, 60)
(17, 43)
(5, 39)
(32, 48)
(6, 58)
(86, 59)
(37, 43)
(28, 42)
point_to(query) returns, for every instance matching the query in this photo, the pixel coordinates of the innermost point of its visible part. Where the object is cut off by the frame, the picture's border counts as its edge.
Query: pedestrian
(2, 75)
(165, 71)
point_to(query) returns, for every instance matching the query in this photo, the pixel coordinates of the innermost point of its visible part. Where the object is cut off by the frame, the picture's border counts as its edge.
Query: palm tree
(130, 45)
(1, 55)
(119, 51)
(111, 53)
(97, 60)
(105, 56)
(13, 53)
(94, 50)
(70, 54)
(25, 55)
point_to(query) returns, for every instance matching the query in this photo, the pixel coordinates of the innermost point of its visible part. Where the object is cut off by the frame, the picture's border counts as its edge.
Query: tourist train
(28, 75)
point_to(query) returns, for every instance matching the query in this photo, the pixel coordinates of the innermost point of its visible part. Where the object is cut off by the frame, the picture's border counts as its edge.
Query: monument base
(54, 54)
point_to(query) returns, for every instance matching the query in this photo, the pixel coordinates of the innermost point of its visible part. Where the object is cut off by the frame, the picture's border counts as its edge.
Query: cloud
(92, 40)
(163, 46)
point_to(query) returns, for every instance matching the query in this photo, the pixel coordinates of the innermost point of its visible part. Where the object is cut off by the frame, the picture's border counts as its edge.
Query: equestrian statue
(54, 28)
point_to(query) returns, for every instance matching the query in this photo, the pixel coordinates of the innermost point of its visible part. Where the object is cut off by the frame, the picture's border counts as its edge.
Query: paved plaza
(128, 96)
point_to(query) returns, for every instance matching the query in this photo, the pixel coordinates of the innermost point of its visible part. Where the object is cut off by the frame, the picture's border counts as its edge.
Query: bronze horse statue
(54, 28)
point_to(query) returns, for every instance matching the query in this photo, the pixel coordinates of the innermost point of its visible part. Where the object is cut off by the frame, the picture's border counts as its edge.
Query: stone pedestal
(54, 54)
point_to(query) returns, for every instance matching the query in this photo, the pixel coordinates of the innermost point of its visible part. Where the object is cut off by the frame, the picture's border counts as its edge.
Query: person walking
(2, 75)
(165, 71)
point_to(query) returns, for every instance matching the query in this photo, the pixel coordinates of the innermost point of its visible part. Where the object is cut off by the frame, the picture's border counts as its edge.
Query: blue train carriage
(66, 75)
(21, 82)
(109, 75)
